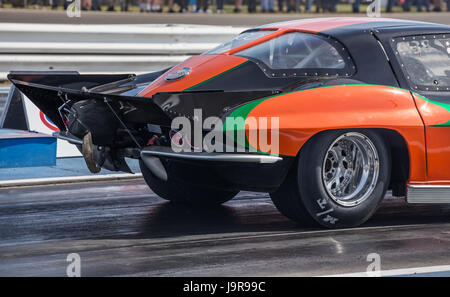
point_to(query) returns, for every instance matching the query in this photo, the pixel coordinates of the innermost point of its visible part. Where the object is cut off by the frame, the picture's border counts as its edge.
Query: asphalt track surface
(124, 229)
(91, 17)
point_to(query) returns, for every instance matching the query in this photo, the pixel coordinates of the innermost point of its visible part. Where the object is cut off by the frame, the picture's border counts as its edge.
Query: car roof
(357, 24)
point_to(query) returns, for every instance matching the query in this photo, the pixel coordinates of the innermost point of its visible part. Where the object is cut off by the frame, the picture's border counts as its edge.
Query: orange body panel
(203, 67)
(438, 140)
(305, 113)
(432, 114)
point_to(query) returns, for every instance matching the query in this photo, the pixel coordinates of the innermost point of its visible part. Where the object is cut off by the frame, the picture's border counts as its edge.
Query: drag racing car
(324, 114)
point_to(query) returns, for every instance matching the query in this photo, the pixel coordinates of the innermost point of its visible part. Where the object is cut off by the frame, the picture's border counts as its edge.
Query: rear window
(301, 54)
(425, 61)
(239, 40)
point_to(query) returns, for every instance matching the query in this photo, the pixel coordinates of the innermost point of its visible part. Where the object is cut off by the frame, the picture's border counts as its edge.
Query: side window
(301, 54)
(425, 61)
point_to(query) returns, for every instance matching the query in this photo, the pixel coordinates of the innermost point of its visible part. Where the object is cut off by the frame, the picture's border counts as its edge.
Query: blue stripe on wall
(27, 152)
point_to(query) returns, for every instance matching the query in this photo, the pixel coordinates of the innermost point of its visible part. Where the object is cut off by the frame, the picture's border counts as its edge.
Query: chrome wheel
(350, 169)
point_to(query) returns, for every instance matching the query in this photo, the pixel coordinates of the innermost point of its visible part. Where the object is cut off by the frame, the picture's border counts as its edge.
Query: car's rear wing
(51, 91)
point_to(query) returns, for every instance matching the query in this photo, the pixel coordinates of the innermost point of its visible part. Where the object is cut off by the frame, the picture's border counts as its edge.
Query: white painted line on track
(397, 272)
(67, 179)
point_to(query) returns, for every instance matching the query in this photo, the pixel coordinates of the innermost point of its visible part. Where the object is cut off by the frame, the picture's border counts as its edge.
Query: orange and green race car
(324, 114)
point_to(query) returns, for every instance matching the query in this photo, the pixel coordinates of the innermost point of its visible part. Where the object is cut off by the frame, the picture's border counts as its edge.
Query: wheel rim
(350, 169)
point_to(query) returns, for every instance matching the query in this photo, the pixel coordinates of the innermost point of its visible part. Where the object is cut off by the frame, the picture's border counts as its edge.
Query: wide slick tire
(178, 191)
(339, 179)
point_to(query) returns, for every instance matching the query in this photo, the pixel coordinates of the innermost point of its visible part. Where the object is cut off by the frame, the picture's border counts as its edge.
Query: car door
(421, 62)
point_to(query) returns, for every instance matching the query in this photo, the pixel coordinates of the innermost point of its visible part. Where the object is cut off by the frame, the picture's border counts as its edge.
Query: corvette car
(362, 107)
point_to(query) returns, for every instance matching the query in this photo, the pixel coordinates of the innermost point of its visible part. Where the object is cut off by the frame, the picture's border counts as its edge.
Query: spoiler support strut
(122, 123)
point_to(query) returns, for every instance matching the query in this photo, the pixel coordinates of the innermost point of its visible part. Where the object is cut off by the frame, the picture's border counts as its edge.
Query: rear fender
(305, 113)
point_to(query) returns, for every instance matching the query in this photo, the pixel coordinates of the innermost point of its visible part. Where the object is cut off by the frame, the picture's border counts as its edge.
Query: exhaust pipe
(88, 154)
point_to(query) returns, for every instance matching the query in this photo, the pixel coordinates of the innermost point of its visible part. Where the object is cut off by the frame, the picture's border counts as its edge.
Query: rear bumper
(237, 171)
(167, 152)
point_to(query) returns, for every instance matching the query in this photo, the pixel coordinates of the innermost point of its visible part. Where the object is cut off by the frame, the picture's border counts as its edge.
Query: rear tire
(176, 190)
(340, 179)
(286, 199)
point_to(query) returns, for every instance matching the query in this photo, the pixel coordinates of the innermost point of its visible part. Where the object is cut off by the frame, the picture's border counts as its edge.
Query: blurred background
(234, 6)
